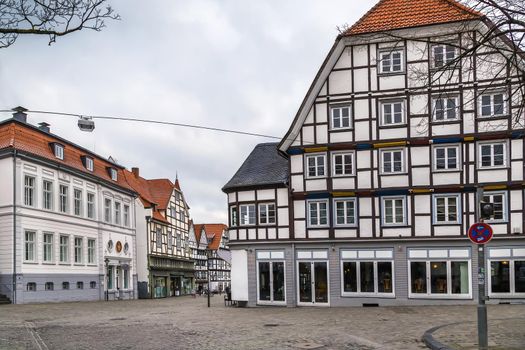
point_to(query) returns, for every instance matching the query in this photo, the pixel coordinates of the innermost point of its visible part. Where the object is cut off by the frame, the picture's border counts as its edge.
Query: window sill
(345, 176)
(403, 225)
(446, 171)
(31, 262)
(318, 227)
(441, 297)
(393, 126)
(349, 128)
(270, 303)
(489, 117)
(48, 263)
(368, 295)
(79, 264)
(404, 173)
(64, 264)
(448, 121)
(354, 226)
(316, 177)
(499, 167)
(387, 74)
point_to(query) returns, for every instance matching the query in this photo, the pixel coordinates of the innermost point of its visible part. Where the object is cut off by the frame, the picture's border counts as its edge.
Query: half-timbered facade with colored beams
(67, 226)
(164, 257)
(384, 157)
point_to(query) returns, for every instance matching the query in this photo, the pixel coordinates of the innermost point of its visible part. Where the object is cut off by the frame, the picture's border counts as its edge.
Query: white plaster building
(374, 198)
(67, 226)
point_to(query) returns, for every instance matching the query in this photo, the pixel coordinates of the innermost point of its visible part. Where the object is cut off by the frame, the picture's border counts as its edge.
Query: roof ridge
(389, 15)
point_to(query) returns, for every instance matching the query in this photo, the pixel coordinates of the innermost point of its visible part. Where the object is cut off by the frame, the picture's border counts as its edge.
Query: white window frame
(318, 210)
(30, 245)
(446, 147)
(67, 248)
(404, 208)
(510, 254)
(270, 260)
(390, 52)
(91, 204)
(445, 99)
(241, 220)
(505, 208)
(92, 252)
(30, 198)
(47, 192)
(345, 200)
(448, 259)
(234, 219)
(77, 202)
(108, 210)
(59, 151)
(491, 95)
(392, 151)
(46, 245)
(63, 198)
(90, 163)
(459, 211)
(125, 213)
(375, 260)
(343, 154)
(307, 169)
(391, 103)
(117, 207)
(267, 205)
(444, 47)
(113, 173)
(78, 258)
(492, 144)
(340, 109)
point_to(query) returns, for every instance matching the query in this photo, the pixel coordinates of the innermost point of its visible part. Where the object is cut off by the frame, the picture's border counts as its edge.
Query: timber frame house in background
(164, 258)
(368, 197)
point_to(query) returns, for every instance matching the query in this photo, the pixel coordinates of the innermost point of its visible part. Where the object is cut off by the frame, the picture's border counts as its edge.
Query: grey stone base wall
(6, 285)
(58, 294)
(401, 280)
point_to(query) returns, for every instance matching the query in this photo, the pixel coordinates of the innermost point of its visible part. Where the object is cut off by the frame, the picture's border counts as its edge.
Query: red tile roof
(29, 139)
(155, 192)
(396, 14)
(213, 232)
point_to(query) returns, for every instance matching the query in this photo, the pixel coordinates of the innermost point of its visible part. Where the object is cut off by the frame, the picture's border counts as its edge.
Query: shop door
(312, 283)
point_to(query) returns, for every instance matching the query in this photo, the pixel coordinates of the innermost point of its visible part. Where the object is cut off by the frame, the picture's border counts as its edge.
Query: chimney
(135, 172)
(20, 114)
(44, 127)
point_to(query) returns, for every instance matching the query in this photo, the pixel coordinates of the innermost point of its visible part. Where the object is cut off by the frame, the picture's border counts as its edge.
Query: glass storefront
(271, 277)
(507, 272)
(367, 272)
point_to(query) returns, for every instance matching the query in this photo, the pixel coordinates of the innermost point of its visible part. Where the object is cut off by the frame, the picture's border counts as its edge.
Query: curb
(432, 343)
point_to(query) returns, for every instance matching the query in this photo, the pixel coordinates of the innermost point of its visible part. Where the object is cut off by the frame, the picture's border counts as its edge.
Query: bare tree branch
(54, 18)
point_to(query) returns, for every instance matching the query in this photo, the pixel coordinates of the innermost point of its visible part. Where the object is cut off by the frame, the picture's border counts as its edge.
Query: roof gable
(396, 14)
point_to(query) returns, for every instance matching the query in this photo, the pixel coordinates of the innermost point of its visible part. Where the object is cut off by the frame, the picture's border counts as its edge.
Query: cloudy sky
(234, 64)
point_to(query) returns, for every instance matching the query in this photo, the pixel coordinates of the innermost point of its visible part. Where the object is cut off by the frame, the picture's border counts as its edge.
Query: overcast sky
(238, 64)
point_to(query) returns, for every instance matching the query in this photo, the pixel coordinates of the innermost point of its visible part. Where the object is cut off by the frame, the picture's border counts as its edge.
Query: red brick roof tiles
(396, 14)
(29, 139)
(213, 232)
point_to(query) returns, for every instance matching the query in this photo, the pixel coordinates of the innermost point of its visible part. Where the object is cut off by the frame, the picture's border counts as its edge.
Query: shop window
(367, 272)
(439, 273)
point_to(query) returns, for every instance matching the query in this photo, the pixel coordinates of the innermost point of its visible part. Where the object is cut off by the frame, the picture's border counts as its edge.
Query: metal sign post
(480, 233)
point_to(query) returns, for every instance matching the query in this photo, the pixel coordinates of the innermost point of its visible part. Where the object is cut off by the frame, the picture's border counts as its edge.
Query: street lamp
(106, 262)
(208, 253)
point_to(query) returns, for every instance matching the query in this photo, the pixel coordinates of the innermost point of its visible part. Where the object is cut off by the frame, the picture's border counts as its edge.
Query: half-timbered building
(377, 189)
(67, 229)
(164, 257)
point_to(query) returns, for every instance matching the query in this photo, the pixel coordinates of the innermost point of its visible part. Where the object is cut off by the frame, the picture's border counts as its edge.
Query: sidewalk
(504, 334)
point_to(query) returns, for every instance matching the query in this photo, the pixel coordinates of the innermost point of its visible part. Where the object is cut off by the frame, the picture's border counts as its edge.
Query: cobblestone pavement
(186, 323)
(504, 334)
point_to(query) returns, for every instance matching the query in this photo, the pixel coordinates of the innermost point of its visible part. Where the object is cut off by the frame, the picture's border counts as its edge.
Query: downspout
(14, 227)
(294, 274)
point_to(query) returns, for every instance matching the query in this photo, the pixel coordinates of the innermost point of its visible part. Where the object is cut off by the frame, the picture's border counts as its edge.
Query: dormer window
(113, 173)
(58, 150)
(88, 163)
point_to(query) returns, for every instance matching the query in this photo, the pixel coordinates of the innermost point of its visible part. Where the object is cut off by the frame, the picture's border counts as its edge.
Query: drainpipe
(14, 227)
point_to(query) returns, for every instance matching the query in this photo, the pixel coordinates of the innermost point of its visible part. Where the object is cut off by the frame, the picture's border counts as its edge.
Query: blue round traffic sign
(480, 233)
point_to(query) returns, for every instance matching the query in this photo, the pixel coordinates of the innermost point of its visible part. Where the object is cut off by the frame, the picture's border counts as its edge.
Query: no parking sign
(480, 233)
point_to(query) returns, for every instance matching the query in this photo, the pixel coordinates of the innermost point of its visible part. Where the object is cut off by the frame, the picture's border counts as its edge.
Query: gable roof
(213, 234)
(156, 192)
(396, 14)
(411, 13)
(29, 139)
(264, 166)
